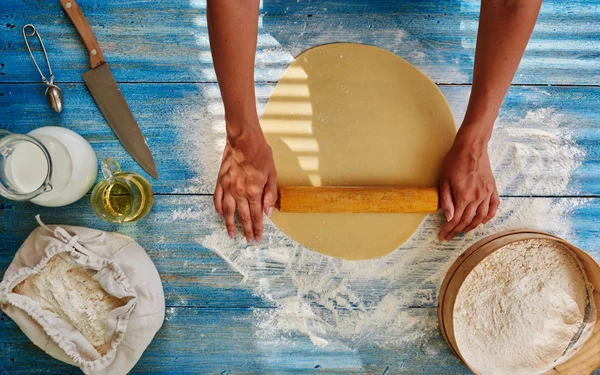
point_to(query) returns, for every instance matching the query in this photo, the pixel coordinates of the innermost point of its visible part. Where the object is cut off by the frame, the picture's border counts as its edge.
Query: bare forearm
(233, 28)
(504, 30)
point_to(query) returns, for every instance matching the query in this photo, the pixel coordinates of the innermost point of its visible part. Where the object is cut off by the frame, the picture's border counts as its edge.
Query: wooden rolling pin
(310, 199)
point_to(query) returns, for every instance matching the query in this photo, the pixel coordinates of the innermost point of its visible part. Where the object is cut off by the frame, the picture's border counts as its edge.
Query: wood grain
(159, 41)
(175, 234)
(84, 30)
(159, 54)
(184, 126)
(210, 324)
(219, 341)
(355, 199)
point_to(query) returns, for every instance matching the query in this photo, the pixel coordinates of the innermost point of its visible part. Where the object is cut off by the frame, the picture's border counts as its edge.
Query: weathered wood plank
(145, 41)
(191, 274)
(184, 127)
(217, 341)
(182, 233)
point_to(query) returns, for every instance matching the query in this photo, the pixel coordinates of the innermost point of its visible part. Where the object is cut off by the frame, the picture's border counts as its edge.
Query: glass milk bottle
(50, 166)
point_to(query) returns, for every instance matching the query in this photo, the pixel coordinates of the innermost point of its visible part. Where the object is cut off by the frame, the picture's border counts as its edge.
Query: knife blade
(108, 96)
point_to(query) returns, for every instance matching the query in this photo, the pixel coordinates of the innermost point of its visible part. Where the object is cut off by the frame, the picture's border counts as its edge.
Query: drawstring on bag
(71, 242)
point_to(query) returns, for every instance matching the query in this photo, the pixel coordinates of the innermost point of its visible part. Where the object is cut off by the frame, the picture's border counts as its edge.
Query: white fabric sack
(86, 297)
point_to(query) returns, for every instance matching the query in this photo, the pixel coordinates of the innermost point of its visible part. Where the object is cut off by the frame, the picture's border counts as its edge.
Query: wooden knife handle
(309, 199)
(83, 28)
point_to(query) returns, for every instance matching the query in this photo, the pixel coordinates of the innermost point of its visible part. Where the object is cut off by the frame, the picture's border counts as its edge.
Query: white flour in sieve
(522, 308)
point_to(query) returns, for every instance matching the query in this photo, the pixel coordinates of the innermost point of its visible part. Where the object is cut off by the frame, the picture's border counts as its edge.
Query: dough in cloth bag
(86, 297)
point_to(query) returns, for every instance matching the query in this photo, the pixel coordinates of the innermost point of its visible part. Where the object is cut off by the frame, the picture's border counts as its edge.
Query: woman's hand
(468, 192)
(247, 182)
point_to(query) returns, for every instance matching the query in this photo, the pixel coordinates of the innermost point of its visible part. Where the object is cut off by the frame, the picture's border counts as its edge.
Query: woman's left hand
(468, 192)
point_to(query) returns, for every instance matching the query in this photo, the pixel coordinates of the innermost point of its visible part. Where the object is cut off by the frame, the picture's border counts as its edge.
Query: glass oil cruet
(122, 196)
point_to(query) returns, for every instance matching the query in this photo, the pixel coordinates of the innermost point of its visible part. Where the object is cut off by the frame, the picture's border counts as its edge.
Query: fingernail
(448, 216)
(258, 239)
(270, 211)
(250, 240)
(231, 234)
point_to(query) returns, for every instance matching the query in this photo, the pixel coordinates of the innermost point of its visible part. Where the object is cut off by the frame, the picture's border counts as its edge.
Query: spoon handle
(84, 30)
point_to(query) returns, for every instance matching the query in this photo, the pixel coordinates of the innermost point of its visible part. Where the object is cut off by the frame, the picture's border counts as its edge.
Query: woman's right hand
(247, 182)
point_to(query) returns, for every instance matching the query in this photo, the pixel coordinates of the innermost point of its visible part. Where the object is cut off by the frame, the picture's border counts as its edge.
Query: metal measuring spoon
(53, 93)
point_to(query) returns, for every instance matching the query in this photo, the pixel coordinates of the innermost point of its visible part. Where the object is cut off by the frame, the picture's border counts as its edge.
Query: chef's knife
(107, 94)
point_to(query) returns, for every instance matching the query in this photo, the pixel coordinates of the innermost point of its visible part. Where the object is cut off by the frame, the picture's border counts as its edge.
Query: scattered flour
(528, 153)
(338, 302)
(523, 309)
(344, 302)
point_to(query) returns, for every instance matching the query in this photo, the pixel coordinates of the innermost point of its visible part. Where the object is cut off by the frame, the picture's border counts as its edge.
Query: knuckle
(239, 190)
(245, 217)
(462, 200)
(465, 220)
(225, 181)
(228, 210)
(254, 194)
(455, 221)
(257, 218)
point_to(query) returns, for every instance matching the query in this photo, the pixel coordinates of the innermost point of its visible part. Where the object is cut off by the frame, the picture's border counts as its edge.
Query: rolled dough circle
(349, 114)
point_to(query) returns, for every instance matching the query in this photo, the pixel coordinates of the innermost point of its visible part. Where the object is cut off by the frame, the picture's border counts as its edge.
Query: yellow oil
(124, 198)
(117, 200)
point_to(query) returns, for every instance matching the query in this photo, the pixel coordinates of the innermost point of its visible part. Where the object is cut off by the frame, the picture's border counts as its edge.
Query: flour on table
(331, 301)
(534, 154)
(521, 309)
(390, 301)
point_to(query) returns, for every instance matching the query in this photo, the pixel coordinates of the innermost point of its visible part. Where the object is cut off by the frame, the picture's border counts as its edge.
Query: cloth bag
(123, 271)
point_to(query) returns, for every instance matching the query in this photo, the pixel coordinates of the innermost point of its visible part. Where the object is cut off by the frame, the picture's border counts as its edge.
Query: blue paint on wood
(194, 276)
(184, 126)
(149, 41)
(210, 326)
(191, 274)
(212, 341)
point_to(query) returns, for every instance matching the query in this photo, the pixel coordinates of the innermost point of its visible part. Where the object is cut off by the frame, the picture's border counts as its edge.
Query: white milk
(74, 166)
(62, 164)
(28, 166)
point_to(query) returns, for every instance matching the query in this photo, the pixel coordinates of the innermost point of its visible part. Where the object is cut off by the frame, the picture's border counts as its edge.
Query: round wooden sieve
(584, 360)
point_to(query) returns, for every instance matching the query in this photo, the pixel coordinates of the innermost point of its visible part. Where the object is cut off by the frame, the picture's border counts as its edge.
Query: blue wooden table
(233, 308)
